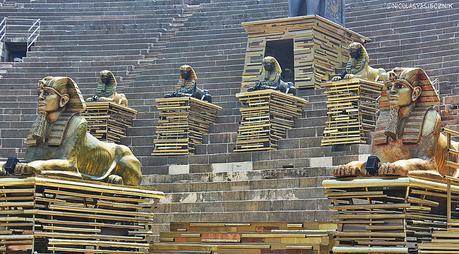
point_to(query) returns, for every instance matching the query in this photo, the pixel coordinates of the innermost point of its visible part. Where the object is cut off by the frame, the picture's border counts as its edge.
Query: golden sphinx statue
(270, 78)
(60, 144)
(106, 90)
(408, 138)
(358, 65)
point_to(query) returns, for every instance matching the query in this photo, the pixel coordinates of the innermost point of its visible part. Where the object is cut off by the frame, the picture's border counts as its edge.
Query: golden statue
(106, 90)
(187, 86)
(270, 78)
(60, 144)
(408, 138)
(358, 65)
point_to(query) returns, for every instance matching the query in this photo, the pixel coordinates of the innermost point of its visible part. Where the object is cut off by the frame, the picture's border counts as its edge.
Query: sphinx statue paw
(26, 169)
(347, 170)
(391, 169)
(336, 78)
(115, 179)
(349, 76)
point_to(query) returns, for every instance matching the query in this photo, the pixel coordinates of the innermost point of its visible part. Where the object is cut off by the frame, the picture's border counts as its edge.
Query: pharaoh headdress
(359, 63)
(75, 105)
(187, 67)
(428, 98)
(277, 68)
(106, 89)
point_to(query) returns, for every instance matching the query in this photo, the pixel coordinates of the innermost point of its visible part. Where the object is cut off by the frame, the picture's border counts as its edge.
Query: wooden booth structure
(266, 117)
(108, 121)
(351, 111)
(61, 215)
(309, 49)
(182, 123)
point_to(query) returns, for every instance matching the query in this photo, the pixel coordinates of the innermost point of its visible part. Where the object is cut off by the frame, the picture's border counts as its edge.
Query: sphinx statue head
(60, 144)
(106, 90)
(408, 138)
(187, 73)
(270, 69)
(56, 95)
(407, 92)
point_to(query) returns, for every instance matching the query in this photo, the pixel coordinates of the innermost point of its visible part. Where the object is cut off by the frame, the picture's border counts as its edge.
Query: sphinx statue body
(408, 138)
(59, 142)
(358, 66)
(187, 86)
(106, 90)
(270, 78)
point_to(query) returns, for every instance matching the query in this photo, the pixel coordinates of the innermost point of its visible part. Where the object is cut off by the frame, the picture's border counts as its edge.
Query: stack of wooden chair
(58, 215)
(351, 111)
(247, 238)
(108, 121)
(183, 121)
(266, 117)
(386, 215)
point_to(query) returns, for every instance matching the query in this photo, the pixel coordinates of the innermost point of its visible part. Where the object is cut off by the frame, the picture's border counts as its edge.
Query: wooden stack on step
(58, 215)
(246, 238)
(108, 121)
(182, 123)
(266, 117)
(444, 242)
(319, 47)
(351, 111)
(386, 215)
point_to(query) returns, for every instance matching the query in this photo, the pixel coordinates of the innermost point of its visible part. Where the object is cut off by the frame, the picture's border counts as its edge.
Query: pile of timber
(58, 215)
(108, 121)
(444, 242)
(386, 215)
(266, 117)
(319, 47)
(351, 111)
(183, 121)
(246, 238)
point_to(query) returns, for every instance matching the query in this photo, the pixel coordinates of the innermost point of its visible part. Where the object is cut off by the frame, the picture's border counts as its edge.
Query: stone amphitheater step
(267, 193)
(248, 216)
(275, 158)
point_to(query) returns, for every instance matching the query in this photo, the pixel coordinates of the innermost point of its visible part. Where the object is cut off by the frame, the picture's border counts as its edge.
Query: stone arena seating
(144, 42)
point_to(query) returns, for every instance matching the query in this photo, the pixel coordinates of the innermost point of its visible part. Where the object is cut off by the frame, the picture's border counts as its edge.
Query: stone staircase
(79, 39)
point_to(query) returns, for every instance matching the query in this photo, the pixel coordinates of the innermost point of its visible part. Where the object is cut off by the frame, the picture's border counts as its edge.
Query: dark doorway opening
(14, 51)
(282, 50)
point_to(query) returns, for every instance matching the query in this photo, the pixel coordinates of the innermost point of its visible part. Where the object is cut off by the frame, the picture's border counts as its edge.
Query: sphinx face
(105, 79)
(268, 66)
(355, 52)
(185, 74)
(48, 100)
(400, 94)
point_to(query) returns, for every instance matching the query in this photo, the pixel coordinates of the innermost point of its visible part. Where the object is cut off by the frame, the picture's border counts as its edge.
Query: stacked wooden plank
(182, 123)
(444, 242)
(386, 215)
(320, 46)
(266, 117)
(351, 111)
(57, 215)
(108, 121)
(247, 238)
